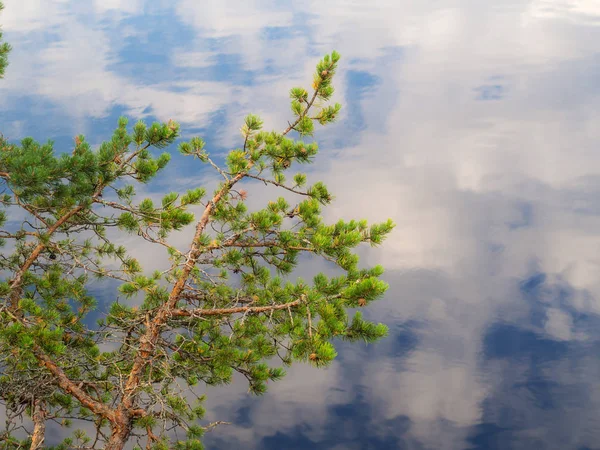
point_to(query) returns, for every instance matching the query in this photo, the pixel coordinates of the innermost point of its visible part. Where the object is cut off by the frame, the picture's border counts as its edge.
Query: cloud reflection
(494, 264)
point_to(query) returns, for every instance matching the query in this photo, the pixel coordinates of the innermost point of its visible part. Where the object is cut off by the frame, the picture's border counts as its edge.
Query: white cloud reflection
(487, 161)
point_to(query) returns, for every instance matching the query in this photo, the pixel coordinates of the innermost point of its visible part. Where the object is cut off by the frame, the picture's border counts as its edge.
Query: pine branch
(70, 387)
(229, 311)
(39, 429)
(274, 183)
(292, 126)
(193, 325)
(309, 104)
(149, 339)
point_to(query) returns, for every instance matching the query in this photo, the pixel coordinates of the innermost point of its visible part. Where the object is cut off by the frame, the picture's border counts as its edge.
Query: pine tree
(4, 49)
(229, 303)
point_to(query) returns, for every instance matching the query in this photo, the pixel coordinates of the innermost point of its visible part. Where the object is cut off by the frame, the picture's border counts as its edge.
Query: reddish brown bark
(148, 341)
(121, 419)
(39, 425)
(121, 426)
(70, 387)
(16, 285)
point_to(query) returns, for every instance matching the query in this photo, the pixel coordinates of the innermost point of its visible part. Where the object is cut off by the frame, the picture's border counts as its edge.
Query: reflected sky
(474, 127)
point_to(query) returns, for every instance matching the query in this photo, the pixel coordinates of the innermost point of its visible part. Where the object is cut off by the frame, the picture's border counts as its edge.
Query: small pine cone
(362, 302)
(313, 356)
(324, 73)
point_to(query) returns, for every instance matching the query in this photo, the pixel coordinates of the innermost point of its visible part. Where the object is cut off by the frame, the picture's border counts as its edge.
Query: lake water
(474, 125)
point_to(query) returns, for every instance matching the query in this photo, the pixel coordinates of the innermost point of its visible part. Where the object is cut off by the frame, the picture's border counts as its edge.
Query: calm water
(475, 127)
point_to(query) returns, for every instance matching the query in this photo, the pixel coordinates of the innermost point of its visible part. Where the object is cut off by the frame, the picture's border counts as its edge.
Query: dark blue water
(475, 127)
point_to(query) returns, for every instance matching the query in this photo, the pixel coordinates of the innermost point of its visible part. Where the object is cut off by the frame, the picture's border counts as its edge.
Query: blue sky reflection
(473, 125)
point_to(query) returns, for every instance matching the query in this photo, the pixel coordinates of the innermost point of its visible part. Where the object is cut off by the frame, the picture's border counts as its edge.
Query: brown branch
(6, 235)
(70, 387)
(121, 427)
(266, 244)
(203, 297)
(30, 210)
(118, 417)
(39, 427)
(149, 339)
(213, 425)
(16, 284)
(227, 311)
(114, 205)
(275, 183)
(151, 437)
(63, 381)
(218, 169)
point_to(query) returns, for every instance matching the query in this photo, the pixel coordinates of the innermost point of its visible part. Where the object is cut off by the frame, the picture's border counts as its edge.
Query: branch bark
(16, 286)
(16, 289)
(149, 339)
(71, 387)
(228, 311)
(39, 425)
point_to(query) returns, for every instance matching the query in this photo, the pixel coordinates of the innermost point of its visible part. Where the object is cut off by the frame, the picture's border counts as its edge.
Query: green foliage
(4, 49)
(227, 304)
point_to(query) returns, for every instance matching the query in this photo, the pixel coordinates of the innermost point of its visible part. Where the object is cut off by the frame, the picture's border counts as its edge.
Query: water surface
(474, 125)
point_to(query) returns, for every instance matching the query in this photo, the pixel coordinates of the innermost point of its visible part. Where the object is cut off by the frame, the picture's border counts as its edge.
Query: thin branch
(229, 311)
(218, 169)
(275, 183)
(301, 116)
(213, 425)
(70, 387)
(309, 322)
(148, 340)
